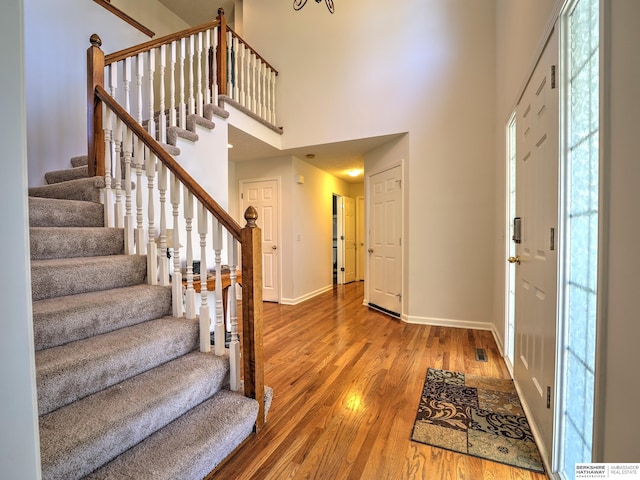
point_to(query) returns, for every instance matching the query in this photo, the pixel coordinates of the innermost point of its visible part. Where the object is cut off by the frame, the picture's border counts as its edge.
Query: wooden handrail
(120, 14)
(187, 180)
(143, 47)
(241, 40)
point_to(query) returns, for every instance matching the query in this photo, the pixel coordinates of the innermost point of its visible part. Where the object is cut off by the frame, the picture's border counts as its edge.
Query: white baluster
(205, 321)
(190, 295)
(253, 80)
(113, 79)
(126, 76)
(234, 344)
(273, 97)
(199, 96)
(176, 278)
(162, 119)
(141, 246)
(163, 263)
(152, 68)
(236, 83)
(268, 95)
(108, 154)
(192, 100)
(117, 144)
(181, 103)
(219, 330)
(139, 76)
(128, 217)
(172, 87)
(214, 93)
(152, 249)
(229, 64)
(243, 74)
(205, 63)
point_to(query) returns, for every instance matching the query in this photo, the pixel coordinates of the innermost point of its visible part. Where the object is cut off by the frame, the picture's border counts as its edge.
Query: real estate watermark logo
(626, 471)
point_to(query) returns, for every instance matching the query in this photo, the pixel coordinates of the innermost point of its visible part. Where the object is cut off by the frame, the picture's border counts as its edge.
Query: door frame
(403, 224)
(278, 181)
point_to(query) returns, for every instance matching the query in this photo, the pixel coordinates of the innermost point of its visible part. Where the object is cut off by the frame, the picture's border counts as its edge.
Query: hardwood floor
(347, 382)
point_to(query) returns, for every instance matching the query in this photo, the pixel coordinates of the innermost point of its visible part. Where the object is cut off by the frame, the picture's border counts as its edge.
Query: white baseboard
(307, 296)
(446, 322)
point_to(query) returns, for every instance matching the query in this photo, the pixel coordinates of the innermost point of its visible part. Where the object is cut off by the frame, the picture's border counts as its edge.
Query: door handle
(274, 247)
(515, 260)
(370, 250)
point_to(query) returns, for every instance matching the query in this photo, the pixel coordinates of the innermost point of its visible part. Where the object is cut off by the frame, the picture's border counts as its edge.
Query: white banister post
(205, 321)
(236, 83)
(273, 98)
(139, 76)
(152, 248)
(172, 86)
(199, 96)
(207, 79)
(162, 119)
(192, 101)
(234, 344)
(229, 64)
(128, 217)
(214, 80)
(190, 295)
(181, 103)
(163, 261)
(219, 330)
(151, 107)
(176, 279)
(108, 158)
(117, 143)
(126, 77)
(141, 247)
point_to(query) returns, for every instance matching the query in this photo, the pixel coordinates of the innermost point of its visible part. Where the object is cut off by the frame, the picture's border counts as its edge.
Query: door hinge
(553, 76)
(242, 196)
(548, 397)
(342, 269)
(400, 241)
(552, 239)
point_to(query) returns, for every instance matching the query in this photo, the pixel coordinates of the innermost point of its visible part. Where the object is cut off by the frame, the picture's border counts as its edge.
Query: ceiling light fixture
(354, 172)
(229, 145)
(298, 4)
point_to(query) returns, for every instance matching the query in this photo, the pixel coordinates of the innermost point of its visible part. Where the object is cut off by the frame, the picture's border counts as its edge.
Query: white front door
(349, 240)
(263, 196)
(385, 241)
(537, 129)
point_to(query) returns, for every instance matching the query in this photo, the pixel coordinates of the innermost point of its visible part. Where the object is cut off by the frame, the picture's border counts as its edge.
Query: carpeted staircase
(123, 391)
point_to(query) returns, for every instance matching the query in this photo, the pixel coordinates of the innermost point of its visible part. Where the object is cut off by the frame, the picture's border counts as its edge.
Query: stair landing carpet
(477, 416)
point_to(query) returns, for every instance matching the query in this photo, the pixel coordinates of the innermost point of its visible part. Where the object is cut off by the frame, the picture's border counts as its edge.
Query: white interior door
(360, 238)
(537, 129)
(349, 240)
(385, 241)
(263, 196)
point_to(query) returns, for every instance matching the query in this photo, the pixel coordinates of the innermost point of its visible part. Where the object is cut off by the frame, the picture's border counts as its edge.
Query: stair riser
(62, 320)
(47, 212)
(47, 243)
(73, 371)
(77, 439)
(60, 277)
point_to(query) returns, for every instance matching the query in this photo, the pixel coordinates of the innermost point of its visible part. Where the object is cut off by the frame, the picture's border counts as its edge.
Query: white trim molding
(307, 296)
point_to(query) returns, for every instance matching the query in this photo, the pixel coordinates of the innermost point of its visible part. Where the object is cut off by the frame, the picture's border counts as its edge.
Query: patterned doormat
(476, 416)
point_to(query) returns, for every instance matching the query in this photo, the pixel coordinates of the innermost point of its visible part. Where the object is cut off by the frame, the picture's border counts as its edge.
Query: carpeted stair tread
(69, 372)
(49, 212)
(86, 189)
(191, 446)
(73, 173)
(78, 438)
(70, 276)
(79, 161)
(60, 320)
(71, 242)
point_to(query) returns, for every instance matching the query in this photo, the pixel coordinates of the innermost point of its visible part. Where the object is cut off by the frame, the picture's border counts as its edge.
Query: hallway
(347, 382)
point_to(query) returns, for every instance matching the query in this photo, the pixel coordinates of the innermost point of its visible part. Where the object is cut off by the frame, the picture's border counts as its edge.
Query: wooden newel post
(95, 133)
(221, 54)
(252, 347)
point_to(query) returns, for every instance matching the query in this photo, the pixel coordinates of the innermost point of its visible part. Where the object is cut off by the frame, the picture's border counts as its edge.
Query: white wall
(426, 67)
(56, 40)
(618, 439)
(19, 442)
(153, 15)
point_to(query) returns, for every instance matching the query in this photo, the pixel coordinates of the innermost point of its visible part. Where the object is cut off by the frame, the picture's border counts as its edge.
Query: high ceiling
(334, 158)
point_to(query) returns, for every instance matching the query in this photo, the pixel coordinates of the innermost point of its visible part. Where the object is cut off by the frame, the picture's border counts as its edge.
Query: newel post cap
(95, 40)
(251, 216)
